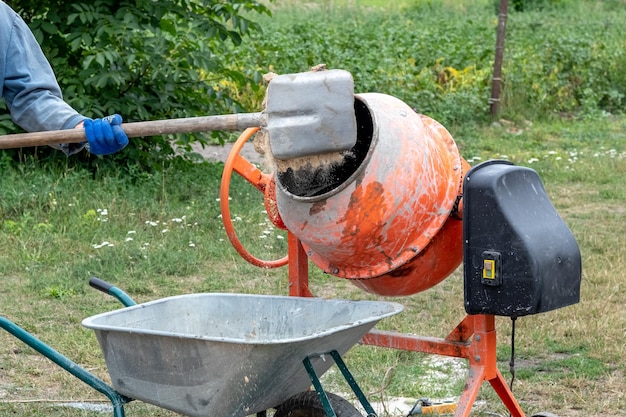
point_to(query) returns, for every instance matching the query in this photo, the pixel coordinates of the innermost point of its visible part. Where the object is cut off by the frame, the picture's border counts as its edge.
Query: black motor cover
(520, 257)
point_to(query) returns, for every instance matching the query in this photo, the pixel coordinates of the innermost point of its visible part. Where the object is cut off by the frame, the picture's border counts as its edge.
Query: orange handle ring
(251, 171)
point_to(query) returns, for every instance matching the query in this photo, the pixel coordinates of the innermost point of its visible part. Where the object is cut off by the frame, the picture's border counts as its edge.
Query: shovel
(308, 113)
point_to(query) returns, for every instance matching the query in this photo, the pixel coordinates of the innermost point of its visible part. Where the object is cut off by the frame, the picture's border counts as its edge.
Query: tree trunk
(496, 82)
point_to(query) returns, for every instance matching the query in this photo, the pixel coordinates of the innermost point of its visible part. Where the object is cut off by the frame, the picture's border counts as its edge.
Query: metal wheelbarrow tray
(227, 354)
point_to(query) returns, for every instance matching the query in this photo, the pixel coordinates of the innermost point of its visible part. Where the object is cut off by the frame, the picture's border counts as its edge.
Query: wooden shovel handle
(229, 122)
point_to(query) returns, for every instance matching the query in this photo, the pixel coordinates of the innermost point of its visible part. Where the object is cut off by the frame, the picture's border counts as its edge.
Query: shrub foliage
(152, 59)
(144, 59)
(563, 58)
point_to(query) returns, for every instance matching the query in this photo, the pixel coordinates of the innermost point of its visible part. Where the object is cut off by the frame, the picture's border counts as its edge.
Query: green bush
(145, 59)
(566, 58)
(159, 60)
(572, 64)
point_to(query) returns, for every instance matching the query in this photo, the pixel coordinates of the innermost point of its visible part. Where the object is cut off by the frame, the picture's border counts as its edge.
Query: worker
(33, 96)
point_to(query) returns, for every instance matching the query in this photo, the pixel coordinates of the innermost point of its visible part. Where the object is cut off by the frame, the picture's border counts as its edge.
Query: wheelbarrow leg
(352, 382)
(318, 387)
(349, 379)
(117, 400)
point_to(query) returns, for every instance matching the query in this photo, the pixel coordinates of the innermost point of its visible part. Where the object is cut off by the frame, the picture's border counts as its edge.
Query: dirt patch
(219, 153)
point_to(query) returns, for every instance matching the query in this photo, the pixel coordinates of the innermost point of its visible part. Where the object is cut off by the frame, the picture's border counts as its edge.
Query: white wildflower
(101, 245)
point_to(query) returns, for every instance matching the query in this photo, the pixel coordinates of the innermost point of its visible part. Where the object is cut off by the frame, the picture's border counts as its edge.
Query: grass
(165, 237)
(160, 234)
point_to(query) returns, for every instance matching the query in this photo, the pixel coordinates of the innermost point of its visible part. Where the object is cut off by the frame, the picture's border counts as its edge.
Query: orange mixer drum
(380, 216)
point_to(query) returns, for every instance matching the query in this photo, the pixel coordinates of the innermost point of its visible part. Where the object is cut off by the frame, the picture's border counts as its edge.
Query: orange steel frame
(474, 339)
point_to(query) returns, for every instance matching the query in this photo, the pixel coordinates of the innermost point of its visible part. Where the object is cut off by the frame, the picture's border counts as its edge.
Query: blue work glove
(105, 136)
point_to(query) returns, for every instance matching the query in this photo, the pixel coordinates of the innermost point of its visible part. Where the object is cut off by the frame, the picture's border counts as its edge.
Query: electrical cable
(512, 361)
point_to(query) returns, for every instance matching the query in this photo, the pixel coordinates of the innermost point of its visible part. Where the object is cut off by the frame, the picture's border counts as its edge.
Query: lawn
(160, 233)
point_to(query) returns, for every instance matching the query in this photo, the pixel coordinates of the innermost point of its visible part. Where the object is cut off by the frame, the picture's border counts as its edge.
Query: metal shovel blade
(311, 113)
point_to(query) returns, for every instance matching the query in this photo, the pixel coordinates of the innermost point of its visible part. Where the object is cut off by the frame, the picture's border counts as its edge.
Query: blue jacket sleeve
(29, 85)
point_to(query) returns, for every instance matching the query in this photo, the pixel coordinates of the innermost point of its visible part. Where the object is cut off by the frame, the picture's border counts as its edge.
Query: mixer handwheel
(307, 404)
(262, 182)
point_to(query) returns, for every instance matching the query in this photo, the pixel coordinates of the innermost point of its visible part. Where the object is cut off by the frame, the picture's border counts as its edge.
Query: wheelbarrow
(227, 355)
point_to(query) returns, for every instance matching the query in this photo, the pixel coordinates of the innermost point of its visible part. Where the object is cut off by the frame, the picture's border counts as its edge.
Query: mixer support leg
(473, 382)
(298, 268)
(483, 367)
(505, 394)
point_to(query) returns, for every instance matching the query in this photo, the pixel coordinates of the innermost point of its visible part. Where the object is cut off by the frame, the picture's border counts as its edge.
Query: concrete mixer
(399, 212)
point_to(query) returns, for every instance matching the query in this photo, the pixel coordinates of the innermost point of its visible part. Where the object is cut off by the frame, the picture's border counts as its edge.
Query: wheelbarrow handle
(112, 290)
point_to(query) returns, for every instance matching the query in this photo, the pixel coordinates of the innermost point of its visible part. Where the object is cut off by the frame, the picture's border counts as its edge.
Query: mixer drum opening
(314, 176)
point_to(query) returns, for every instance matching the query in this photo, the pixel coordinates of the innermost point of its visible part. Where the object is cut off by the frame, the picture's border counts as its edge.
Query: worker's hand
(105, 136)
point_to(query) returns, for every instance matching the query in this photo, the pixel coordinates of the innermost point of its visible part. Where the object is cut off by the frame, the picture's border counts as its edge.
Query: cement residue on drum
(314, 175)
